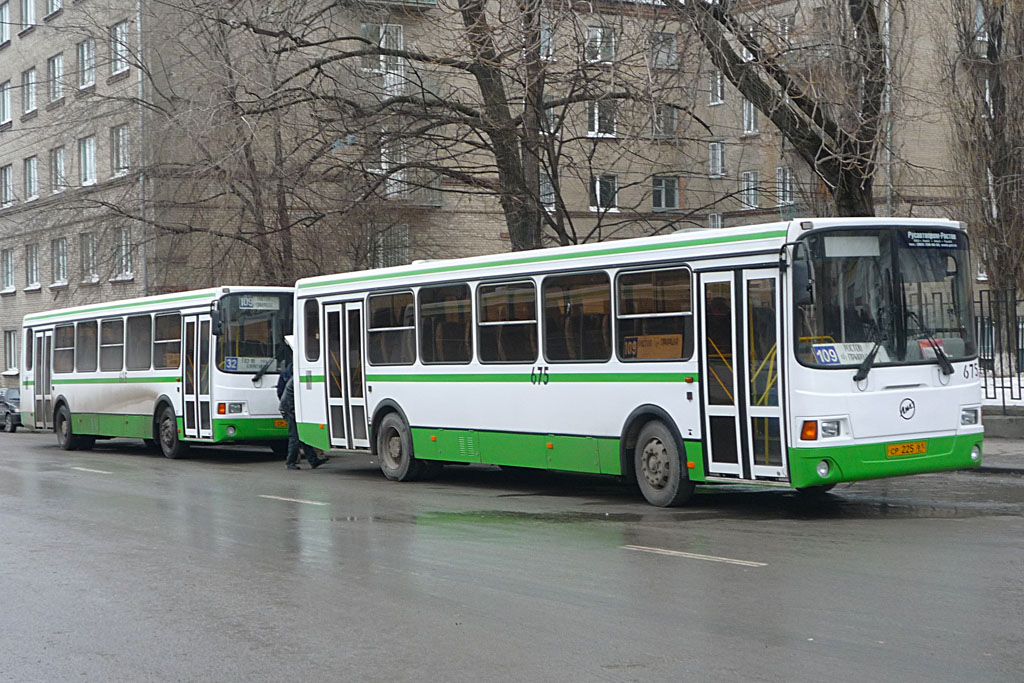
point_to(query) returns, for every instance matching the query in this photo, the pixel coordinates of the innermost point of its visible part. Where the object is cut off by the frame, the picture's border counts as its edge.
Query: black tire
(9, 425)
(167, 431)
(431, 469)
(150, 445)
(394, 449)
(280, 448)
(660, 470)
(66, 438)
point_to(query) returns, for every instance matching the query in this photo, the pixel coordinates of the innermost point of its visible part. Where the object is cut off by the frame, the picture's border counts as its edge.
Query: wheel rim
(392, 451)
(655, 464)
(168, 433)
(8, 421)
(62, 427)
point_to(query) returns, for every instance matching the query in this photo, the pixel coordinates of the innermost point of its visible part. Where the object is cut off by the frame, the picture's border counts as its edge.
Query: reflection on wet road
(123, 566)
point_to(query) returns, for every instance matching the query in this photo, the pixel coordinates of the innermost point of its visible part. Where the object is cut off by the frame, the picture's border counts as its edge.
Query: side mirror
(802, 282)
(216, 325)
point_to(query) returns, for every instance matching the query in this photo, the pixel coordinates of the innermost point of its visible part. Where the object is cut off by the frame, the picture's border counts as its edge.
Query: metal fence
(1000, 330)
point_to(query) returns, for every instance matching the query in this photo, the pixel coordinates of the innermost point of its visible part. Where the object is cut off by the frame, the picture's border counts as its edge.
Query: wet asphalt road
(119, 565)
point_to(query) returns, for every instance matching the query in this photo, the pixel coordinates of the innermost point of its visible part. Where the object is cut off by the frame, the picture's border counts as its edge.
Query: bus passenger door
(42, 389)
(195, 377)
(719, 380)
(761, 370)
(334, 376)
(355, 379)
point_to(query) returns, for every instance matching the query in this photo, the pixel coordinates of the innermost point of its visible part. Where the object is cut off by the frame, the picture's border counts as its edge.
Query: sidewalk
(1002, 455)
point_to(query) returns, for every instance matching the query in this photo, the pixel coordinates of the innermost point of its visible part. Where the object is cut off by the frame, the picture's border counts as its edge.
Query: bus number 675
(539, 375)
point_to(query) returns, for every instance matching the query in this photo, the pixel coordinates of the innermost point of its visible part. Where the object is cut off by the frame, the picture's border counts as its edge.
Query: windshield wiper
(266, 366)
(869, 360)
(940, 354)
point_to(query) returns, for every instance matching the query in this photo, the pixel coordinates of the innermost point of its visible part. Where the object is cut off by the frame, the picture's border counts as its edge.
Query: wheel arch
(158, 406)
(58, 401)
(379, 413)
(631, 431)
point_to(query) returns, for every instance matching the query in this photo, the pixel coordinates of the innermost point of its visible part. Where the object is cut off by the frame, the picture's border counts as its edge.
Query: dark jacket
(286, 375)
(287, 404)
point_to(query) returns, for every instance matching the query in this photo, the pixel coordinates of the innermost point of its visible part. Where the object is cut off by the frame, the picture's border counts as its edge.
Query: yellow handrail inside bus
(337, 378)
(715, 374)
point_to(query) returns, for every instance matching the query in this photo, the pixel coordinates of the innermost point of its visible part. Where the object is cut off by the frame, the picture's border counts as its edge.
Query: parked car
(10, 409)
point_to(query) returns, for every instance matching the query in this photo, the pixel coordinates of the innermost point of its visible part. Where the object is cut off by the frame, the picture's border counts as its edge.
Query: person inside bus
(286, 392)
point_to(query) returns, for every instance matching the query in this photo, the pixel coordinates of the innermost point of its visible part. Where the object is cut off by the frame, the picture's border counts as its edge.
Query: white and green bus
(798, 354)
(197, 367)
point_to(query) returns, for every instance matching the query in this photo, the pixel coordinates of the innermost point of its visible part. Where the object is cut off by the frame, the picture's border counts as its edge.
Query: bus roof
(195, 297)
(745, 238)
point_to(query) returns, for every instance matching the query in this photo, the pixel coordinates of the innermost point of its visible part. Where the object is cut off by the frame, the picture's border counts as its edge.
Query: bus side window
(311, 321)
(444, 324)
(64, 348)
(655, 320)
(28, 348)
(167, 342)
(86, 346)
(582, 302)
(392, 330)
(112, 345)
(140, 342)
(507, 322)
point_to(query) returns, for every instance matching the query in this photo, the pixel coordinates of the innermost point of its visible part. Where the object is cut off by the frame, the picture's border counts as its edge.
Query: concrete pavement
(1000, 454)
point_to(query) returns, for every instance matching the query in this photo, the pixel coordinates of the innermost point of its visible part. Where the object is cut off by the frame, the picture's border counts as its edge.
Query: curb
(997, 469)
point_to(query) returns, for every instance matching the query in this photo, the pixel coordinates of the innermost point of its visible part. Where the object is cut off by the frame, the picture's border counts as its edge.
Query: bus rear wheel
(394, 448)
(167, 427)
(660, 470)
(66, 438)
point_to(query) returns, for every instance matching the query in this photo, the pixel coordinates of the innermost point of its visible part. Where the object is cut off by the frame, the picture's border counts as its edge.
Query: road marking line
(295, 500)
(694, 556)
(86, 469)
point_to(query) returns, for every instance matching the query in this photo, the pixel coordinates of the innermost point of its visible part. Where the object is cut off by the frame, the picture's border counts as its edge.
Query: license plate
(280, 423)
(911, 448)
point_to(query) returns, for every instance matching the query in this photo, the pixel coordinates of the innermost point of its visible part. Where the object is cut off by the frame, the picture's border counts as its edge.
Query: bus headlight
(969, 416)
(829, 428)
(236, 408)
(976, 454)
(823, 469)
(230, 431)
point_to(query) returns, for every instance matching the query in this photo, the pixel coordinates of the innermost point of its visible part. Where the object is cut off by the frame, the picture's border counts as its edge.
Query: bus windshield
(253, 327)
(902, 290)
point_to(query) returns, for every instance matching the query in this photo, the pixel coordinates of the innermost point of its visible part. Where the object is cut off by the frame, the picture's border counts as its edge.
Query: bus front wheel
(66, 439)
(167, 426)
(394, 448)
(660, 468)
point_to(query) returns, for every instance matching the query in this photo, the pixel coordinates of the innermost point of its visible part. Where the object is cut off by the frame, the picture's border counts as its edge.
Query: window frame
(55, 77)
(85, 52)
(104, 345)
(716, 157)
(131, 343)
(11, 350)
(543, 342)
(480, 286)
(59, 260)
(750, 190)
(784, 186)
(7, 269)
(420, 324)
(311, 344)
(618, 315)
(32, 266)
(30, 176)
(82, 347)
(370, 330)
(87, 161)
(6, 185)
(119, 50)
(750, 118)
(595, 48)
(6, 109)
(57, 330)
(676, 184)
(28, 90)
(595, 194)
(168, 342)
(595, 109)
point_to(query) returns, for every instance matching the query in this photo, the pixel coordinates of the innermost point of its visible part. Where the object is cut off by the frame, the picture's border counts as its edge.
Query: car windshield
(905, 290)
(253, 327)
(12, 395)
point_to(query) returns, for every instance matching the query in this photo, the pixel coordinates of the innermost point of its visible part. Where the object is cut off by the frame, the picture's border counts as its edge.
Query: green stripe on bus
(119, 380)
(96, 309)
(553, 377)
(141, 427)
(451, 268)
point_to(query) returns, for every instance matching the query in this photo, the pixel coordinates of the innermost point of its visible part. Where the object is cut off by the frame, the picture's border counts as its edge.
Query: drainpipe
(887, 104)
(142, 147)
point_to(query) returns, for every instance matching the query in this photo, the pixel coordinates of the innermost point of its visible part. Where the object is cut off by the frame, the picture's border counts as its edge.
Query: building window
(58, 178)
(6, 185)
(389, 69)
(717, 88)
(55, 77)
(601, 118)
(716, 159)
(5, 102)
(547, 192)
(784, 26)
(748, 189)
(87, 251)
(119, 152)
(980, 25)
(600, 44)
(87, 160)
(390, 247)
(11, 349)
(749, 117)
(604, 190)
(714, 221)
(31, 173)
(123, 254)
(119, 47)
(53, 6)
(7, 269)
(5, 22)
(547, 41)
(664, 54)
(28, 13)
(665, 191)
(666, 120)
(32, 265)
(784, 185)
(753, 36)
(59, 255)
(28, 90)
(86, 63)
